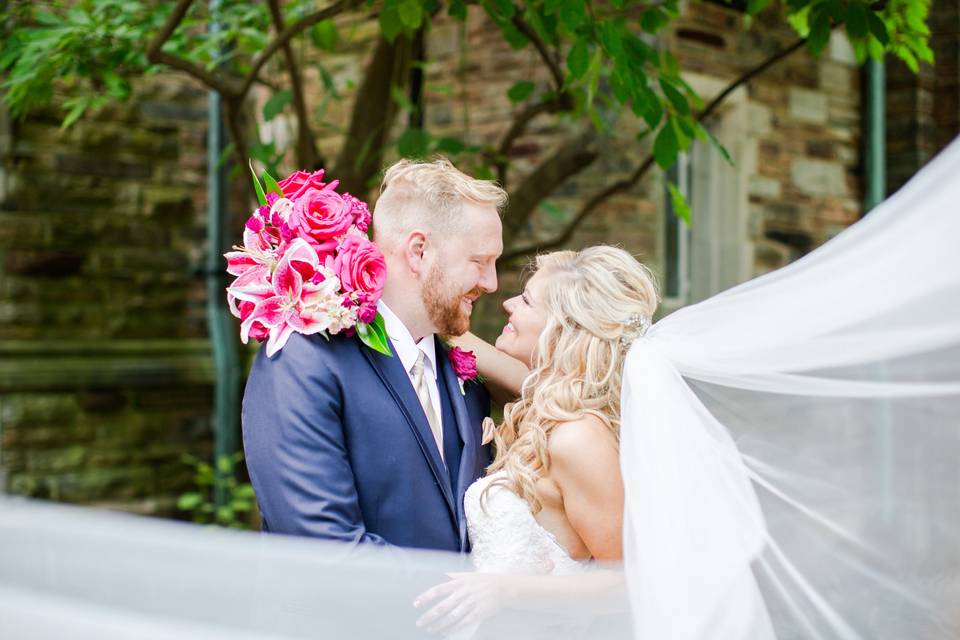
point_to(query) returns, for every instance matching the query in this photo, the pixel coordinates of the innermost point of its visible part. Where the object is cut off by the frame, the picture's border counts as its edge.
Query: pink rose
(361, 212)
(464, 363)
(299, 182)
(322, 217)
(360, 266)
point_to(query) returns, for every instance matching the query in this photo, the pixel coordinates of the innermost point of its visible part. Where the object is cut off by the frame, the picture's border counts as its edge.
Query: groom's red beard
(443, 304)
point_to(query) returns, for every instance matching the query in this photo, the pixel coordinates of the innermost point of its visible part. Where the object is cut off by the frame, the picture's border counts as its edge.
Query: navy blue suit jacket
(338, 446)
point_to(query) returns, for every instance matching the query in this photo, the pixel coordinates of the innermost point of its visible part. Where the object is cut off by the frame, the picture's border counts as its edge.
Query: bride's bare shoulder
(586, 440)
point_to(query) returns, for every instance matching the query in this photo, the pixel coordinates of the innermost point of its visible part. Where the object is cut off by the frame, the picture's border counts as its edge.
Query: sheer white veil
(791, 447)
(790, 451)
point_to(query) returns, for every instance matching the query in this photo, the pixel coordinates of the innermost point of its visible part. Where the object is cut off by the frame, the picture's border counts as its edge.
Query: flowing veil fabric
(791, 456)
(791, 447)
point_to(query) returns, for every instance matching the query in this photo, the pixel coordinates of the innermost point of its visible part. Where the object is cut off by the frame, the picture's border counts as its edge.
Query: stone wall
(105, 374)
(923, 109)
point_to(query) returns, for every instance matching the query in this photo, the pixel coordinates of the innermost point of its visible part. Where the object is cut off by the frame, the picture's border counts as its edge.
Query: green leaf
(680, 206)
(505, 8)
(374, 335)
(521, 91)
(245, 491)
(572, 14)
(653, 20)
(276, 104)
(878, 28)
(271, 184)
(78, 108)
(224, 514)
(325, 35)
(391, 24)
(715, 142)
(819, 33)
(676, 98)
(665, 147)
(458, 9)
(578, 59)
(411, 14)
(756, 6)
(401, 98)
(857, 21)
(450, 145)
(261, 198)
(224, 465)
(414, 143)
(189, 501)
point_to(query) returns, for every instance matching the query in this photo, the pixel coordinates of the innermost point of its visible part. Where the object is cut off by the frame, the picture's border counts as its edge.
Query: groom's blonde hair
(428, 194)
(595, 301)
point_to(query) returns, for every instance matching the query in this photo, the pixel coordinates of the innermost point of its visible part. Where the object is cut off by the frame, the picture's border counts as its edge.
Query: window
(676, 238)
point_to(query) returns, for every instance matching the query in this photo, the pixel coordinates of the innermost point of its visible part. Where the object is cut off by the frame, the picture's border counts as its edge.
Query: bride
(777, 461)
(553, 497)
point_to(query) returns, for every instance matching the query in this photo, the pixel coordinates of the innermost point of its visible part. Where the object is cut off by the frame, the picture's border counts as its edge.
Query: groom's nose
(488, 279)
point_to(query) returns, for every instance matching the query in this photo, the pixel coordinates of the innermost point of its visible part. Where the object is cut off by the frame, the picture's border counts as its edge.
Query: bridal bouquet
(306, 265)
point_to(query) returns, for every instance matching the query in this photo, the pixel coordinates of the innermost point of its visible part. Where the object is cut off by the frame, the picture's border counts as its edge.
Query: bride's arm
(504, 375)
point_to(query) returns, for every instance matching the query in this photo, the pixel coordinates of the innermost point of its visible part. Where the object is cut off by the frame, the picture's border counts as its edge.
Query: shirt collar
(407, 350)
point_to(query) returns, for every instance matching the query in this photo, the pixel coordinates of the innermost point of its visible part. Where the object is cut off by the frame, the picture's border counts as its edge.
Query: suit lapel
(468, 434)
(395, 379)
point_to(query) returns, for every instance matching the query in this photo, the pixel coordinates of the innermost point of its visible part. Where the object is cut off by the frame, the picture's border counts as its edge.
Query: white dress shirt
(407, 350)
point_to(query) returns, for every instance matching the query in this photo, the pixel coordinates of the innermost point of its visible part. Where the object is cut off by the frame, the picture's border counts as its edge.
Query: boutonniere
(464, 365)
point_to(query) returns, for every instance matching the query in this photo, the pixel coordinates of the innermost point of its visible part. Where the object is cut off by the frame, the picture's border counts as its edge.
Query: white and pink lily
(288, 298)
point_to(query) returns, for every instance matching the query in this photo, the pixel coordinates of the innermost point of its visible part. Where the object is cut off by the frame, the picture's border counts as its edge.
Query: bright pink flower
(464, 363)
(322, 218)
(361, 212)
(288, 303)
(361, 267)
(299, 182)
(257, 331)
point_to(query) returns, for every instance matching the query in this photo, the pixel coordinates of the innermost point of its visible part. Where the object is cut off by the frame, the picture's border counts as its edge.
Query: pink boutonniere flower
(464, 365)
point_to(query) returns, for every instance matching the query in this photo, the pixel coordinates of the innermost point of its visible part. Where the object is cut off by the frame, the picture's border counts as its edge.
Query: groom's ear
(415, 250)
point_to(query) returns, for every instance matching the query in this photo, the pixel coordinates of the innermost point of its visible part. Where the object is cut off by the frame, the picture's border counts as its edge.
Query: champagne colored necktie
(423, 393)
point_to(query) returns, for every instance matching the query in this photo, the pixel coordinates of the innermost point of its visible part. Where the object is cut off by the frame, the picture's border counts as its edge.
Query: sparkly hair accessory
(638, 324)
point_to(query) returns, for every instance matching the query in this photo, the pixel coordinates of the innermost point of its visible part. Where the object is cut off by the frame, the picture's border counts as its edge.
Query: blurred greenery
(238, 510)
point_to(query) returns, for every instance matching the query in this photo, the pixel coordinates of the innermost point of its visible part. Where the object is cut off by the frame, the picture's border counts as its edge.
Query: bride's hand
(467, 599)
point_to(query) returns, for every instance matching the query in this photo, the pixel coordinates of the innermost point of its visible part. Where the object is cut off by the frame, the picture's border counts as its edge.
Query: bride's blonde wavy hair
(597, 301)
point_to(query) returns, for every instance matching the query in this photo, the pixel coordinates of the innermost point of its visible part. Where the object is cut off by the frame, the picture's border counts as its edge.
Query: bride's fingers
(452, 619)
(434, 593)
(440, 609)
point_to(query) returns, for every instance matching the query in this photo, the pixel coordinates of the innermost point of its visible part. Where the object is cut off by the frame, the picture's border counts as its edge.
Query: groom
(347, 444)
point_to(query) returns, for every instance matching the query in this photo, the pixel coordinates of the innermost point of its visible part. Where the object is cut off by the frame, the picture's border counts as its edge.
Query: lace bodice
(505, 536)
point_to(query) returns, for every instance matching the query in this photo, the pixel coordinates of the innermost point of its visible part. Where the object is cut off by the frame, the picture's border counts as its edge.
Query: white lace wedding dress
(506, 538)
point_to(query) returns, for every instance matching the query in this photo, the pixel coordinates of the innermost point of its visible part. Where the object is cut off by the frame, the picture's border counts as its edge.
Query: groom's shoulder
(312, 352)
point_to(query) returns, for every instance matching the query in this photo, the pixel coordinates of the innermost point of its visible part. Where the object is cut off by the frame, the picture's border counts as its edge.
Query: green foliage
(604, 55)
(238, 501)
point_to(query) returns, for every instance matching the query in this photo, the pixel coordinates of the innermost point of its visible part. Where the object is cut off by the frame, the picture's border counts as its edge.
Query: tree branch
(561, 102)
(287, 34)
(306, 149)
(373, 115)
(531, 34)
(573, 156)
(564, 236)
(215, 81)
(627, 183)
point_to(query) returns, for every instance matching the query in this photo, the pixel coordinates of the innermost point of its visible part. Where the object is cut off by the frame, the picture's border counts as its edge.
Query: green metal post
(226, 417)
(875, 135)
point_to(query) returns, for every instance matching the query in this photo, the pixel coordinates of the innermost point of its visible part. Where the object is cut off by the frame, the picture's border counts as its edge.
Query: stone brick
(808, 106)
(818, 177)
(764, 187)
